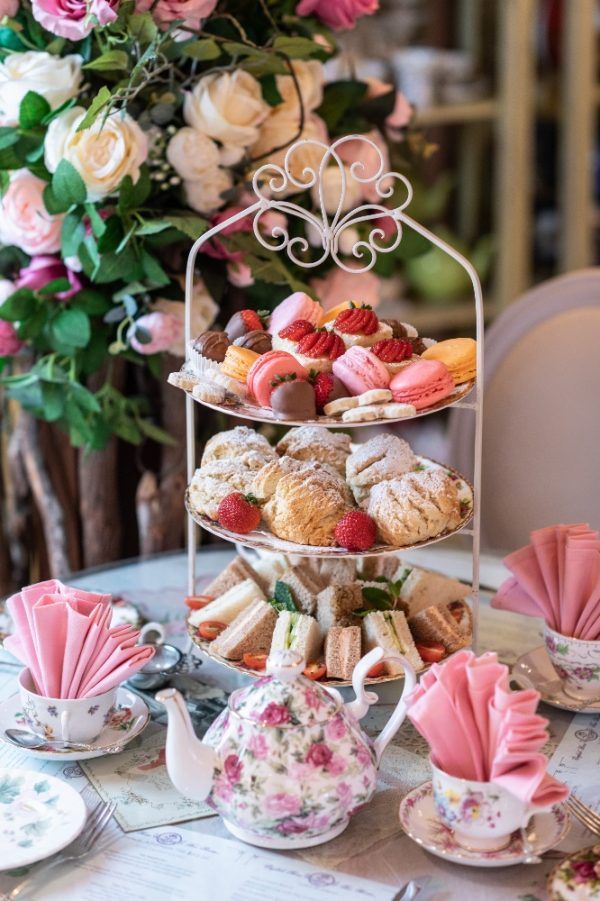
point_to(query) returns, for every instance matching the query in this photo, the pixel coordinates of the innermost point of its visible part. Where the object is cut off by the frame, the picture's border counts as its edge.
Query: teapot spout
(190, 763)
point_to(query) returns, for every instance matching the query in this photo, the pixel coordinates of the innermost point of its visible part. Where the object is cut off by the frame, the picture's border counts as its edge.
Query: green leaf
(378, 598)
(32, 110)
(338, 98)
(84, 398)
(113, 266)
(53, 398)
(150, 430)
(18, 306)
(102, 99)
(133, 194)
(8, 136)
(96, 221)
(71, 328)
(91, 302)
(110, 61)
(128, 430)
(56, 286)
(296, 47)
(67, 185)
(71, 235)
(53, 204)
(112, 236)
(283, 598)
(270, 91)
(191, 226)
(202, 50)
(153, 271)
(142, 27)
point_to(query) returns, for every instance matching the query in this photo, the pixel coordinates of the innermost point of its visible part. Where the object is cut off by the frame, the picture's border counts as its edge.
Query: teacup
(65, 719)
(577, 663)
(481, 815)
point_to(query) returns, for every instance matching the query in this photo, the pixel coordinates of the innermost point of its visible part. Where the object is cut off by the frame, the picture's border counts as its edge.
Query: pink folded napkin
(477, 728)
(63, 637)
(557, 577)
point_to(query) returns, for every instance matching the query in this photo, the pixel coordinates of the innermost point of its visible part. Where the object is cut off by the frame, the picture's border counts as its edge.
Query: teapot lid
(284, 697)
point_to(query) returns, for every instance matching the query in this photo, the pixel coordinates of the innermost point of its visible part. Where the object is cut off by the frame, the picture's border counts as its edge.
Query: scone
(235, 444)
(305, 508)
(267, 478)
(380, 459)
(213, 482)
(314, 443)
(415, 507)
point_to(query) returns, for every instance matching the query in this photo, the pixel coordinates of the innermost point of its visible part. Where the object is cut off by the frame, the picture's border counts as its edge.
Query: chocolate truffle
(400, 329)
(418, 345)
(212, 345)
(294, 400)
(257, 340)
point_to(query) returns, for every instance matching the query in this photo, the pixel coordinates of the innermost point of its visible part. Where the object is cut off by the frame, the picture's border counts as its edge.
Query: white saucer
(40, 816)
(121, 728)
(534, 670)
(420, 821)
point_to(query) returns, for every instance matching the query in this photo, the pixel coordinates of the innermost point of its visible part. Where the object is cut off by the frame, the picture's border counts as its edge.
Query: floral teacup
(481, 815)
(577, 663)
(65, 719)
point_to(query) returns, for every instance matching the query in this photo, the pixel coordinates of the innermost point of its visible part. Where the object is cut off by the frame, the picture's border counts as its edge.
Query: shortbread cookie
(209, 392)
(235, 444)
(305, 508)
(340, 405)
(398, 411)
(232, 386)
(379, 459)
(182, 379)
(415, 507)
(362, 414)
(374, 396)
(314, 443)
(211, 483)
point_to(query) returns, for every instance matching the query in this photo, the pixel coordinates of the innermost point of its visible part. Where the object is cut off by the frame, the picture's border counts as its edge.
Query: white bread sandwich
(438, 624)
(389, 630)
(250, 633)
(336, 604)
(229, 605)
(422, 589)
(235, 572)
(297, 632)
(342, 651)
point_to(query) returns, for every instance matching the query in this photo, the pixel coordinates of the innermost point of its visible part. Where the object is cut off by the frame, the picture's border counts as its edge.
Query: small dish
(419, 819)
(534, 670)
(578, 872)
(40, 816)
(121, 727)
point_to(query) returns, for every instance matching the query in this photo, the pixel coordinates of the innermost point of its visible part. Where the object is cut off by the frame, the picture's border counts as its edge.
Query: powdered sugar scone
(236, 443)
(314, 443)
(379, 459)
(415, 507)
(266, 479)
(211, 483)
(305, 508)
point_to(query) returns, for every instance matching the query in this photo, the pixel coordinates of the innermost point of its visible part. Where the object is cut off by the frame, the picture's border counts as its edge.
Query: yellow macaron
(237, 362)
(459, 355)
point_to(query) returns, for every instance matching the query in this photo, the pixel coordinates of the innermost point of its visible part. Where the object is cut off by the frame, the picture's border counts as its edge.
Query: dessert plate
(534, 670)
(249, 410)
(263, 539)
(576, 876)
(123, 726)
(420, 821)
(40, 816)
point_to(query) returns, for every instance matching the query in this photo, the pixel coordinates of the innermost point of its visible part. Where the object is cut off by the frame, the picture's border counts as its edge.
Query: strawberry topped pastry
(395, 353)
(314, 348)
(360, 326)
(288, 337)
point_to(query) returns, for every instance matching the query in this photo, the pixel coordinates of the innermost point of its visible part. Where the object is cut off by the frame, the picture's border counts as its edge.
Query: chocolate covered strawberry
(327, 388)
(243, 322)
(360, 326)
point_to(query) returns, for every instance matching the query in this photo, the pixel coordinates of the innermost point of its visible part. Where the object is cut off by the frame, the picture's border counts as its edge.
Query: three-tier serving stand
(272, 184)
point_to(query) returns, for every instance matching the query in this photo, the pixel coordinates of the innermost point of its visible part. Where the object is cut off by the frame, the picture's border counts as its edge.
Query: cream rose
(204, 313)
(227, 107)
(281, 129)
(331, 186)
(310, 78)
(204, 194)
(192, 153)
(102, 154)
(53, 77)
(24, 220)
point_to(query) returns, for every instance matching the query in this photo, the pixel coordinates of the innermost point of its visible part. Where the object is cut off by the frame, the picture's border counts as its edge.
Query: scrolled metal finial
(334, 184)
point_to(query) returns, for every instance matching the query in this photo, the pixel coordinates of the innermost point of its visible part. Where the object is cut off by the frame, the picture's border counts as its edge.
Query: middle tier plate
(263, 539)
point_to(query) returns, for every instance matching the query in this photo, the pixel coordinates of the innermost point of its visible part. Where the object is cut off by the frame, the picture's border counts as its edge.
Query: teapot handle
(363, 700)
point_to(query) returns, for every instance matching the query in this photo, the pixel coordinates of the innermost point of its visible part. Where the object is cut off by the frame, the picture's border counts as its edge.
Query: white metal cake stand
(272, 184)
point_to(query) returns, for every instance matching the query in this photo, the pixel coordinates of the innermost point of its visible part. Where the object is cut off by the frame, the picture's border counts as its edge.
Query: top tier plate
(249, 410)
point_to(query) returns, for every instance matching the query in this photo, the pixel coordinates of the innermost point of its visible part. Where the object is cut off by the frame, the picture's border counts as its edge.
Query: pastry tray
(263, 539)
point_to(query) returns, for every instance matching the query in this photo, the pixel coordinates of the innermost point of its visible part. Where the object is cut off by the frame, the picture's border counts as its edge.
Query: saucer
(40, 816)
(419, 819)
(118, 730)
(534, 670)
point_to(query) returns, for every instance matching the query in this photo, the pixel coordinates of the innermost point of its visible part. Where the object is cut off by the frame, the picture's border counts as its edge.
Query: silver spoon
(23, 738)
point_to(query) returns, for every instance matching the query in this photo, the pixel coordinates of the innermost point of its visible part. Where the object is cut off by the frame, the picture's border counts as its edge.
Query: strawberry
(323, 385)
(356, 531)
(393, 350)
(321, 343)
(297, 330)
(357, 321)
(252, 320)
(239, 513)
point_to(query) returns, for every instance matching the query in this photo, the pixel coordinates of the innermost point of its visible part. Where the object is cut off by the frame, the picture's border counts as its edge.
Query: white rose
(6, 289)
(281, 129)
(191, 153)
(53, 77)
(204, 194)
(310, 78)
(228, 107)
(102, 154)
(331, 187)
(204, 313)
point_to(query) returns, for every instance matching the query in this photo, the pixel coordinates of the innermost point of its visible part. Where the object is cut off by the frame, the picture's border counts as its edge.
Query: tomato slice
(430, 651)
(255, 661)
(315, 671)
(209, 629)
(198, 601)
(376, 671)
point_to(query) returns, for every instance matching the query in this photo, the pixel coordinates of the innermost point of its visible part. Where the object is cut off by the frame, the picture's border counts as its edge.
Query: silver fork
(82, 845)
(585, 814)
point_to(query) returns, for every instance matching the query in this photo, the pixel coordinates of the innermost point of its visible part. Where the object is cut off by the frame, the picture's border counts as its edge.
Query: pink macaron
(268, 369)
(297, 306)
(360, 370)
(422, 384)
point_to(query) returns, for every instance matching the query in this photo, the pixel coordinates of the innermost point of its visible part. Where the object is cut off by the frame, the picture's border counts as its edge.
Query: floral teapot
(287, 763)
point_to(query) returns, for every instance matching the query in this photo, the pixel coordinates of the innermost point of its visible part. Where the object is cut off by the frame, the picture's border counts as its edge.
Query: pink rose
(274, 715)
(239, 274)
(344, 793)
(337, 14)
(336, 765)
(319, 755)
(24, 220)
(363, 757)
(191, 12)
(73, 19)
(215, 248)
(399, 117)
(9, 343)
(359, 151)
(339, 286)
(312, 699)
(222, 789)
(335, 729)
(584, 870)
(258, 746)
(164, 330)
(44, 269)
(8, 8)
(233, 768)
(282, 804)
